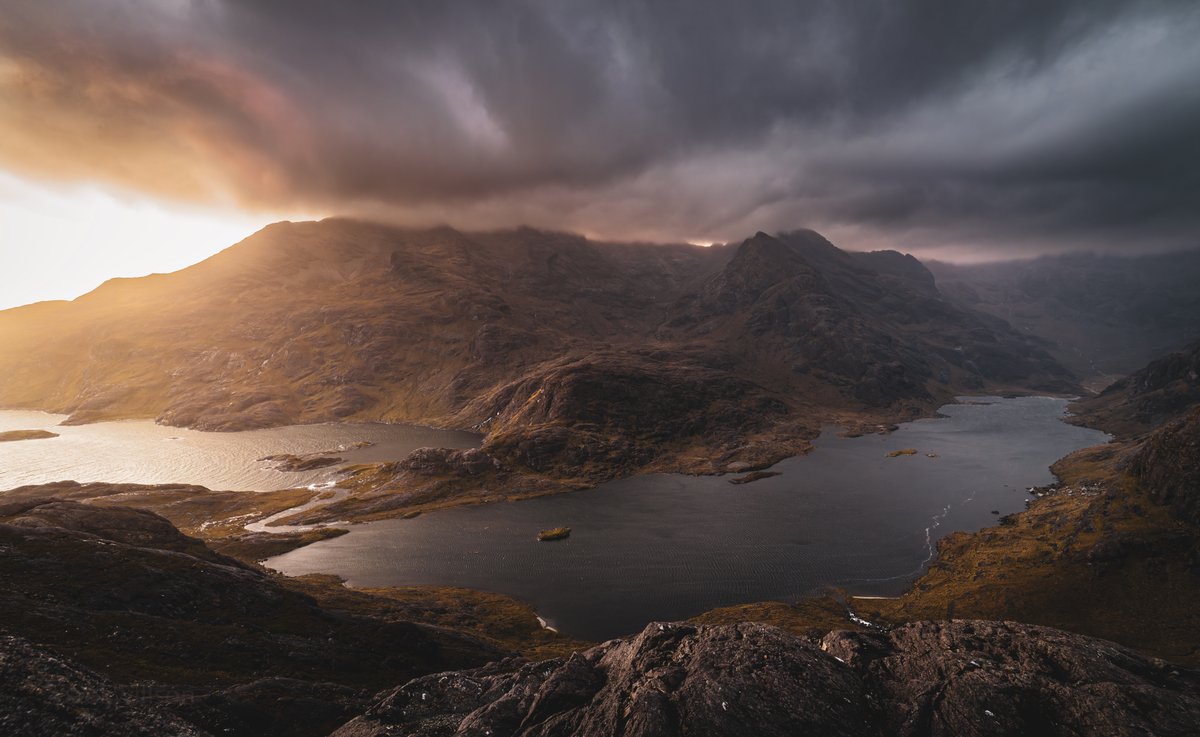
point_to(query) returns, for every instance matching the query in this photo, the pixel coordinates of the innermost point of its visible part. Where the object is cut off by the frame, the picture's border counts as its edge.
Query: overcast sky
(950, 129)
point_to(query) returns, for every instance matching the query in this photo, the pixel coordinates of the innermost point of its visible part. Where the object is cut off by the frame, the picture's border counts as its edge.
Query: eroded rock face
(929, 678)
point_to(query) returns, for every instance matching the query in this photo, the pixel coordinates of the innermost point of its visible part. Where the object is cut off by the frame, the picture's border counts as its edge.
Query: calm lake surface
(141, 452)
(641, 549)
(670, 546)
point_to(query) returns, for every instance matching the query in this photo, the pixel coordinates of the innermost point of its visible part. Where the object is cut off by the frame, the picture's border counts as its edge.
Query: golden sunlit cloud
(60, 242)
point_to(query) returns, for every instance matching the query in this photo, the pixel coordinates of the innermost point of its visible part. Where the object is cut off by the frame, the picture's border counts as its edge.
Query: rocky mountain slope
(579, 360)
(1161, 391)
(1105, 315)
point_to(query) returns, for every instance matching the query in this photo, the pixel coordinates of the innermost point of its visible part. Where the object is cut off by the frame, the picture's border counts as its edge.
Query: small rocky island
(554, 533)
(13, 435)
(754, 476)
(291, 463)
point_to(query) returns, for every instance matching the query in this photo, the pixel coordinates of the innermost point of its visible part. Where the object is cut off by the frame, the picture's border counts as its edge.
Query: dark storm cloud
(923, 125)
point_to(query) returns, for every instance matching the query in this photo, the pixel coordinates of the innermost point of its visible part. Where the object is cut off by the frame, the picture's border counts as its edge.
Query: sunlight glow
(58, 242)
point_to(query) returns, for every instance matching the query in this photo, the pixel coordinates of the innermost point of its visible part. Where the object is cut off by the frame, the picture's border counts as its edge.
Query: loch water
(142, 452)
(669, 546)
(656, 547)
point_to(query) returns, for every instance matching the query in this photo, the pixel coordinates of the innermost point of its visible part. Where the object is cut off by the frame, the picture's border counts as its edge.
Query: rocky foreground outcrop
(41, 694)
(960, 678)
(957, 678)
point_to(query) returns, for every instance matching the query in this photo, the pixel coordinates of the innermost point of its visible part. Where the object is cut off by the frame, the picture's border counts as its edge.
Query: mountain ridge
(343, 320)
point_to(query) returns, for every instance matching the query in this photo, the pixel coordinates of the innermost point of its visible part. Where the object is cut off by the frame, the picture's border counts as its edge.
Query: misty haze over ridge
(954, 131)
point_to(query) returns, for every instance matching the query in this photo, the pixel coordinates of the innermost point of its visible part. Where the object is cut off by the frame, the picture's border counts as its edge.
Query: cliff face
(926, 678)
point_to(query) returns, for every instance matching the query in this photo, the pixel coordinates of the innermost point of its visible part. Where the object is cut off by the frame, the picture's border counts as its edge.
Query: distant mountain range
(574, 357)
(1105, 315)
